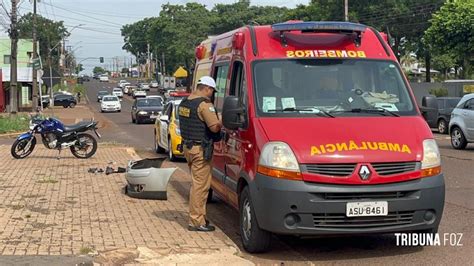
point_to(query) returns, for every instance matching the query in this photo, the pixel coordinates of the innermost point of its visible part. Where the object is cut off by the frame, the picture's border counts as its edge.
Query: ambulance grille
(331, 169)
(367, 195)
(394, 168)
(339, 220)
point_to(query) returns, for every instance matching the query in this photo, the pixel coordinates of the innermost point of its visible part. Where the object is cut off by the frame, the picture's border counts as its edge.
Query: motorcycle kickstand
(59, 154)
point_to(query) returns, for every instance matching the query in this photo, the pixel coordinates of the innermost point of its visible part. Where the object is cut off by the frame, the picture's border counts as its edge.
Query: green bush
(79, 88)
(439, 92)
(14, 123)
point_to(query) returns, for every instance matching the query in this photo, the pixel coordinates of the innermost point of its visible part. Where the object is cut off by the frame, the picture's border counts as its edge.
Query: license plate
(369, 208)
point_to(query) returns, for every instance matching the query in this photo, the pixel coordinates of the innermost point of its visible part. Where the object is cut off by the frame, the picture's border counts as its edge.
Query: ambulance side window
(220, 75)
(238, 86)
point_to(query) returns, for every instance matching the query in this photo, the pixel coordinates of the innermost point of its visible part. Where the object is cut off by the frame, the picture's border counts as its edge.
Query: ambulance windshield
(339, 87)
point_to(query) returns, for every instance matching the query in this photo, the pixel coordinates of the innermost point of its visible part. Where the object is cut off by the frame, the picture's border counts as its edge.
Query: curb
(8, 135)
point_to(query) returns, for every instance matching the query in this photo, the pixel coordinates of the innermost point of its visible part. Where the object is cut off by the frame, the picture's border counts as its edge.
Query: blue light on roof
(319, 26)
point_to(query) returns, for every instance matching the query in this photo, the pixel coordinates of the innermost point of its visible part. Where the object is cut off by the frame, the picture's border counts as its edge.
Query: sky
(95, 24)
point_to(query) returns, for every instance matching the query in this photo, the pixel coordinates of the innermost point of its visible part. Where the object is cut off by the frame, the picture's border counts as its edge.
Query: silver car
(461, 125)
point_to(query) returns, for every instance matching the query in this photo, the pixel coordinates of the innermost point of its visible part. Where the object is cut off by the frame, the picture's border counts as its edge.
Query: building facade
(24, 72)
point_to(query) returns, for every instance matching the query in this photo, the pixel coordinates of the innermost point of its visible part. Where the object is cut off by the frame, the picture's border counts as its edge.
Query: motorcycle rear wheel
(20, 148)
(86, 147)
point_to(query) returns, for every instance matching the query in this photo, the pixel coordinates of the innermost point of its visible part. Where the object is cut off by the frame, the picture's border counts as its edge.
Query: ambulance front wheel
(254, 239)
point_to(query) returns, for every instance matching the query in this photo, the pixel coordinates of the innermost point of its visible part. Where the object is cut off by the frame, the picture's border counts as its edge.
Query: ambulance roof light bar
(321, 26)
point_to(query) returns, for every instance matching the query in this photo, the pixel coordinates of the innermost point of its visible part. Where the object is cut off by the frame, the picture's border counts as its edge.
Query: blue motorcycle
(56, 135)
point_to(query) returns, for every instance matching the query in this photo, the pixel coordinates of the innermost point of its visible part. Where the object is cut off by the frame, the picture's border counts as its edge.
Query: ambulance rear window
(301, 87)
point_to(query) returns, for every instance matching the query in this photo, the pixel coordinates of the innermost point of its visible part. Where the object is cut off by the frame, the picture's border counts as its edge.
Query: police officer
(199, 125)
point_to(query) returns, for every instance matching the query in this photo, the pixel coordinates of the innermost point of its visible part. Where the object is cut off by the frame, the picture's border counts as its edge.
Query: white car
(104, 78)
(154, 84)
(110, 103)
(121, 83)
(117, 92)
(144, 86)
(138, 93)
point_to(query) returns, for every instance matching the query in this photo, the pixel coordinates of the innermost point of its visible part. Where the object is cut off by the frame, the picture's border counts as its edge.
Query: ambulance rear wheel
(254, 239)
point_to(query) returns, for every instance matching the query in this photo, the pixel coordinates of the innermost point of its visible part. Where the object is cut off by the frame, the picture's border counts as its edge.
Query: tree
(79, 68)
(318, 10)
(98, 70)
(452, 31)
(49, 34)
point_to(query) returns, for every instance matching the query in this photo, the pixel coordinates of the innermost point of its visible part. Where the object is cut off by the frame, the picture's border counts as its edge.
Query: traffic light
(101, 59)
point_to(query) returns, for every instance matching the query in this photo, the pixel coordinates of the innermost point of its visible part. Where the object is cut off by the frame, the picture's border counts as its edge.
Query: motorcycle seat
(78, 126)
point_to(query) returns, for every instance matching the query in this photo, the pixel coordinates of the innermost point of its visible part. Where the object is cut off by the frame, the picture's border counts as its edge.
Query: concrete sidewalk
(55, 207)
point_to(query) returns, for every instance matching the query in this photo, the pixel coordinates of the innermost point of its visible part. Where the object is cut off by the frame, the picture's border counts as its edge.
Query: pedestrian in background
(200, 126)
(78, 96)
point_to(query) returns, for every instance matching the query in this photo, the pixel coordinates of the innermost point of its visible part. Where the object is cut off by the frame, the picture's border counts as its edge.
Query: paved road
(458, 167)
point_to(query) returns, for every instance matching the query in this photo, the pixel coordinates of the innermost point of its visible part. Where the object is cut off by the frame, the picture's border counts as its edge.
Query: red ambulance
(322, 133)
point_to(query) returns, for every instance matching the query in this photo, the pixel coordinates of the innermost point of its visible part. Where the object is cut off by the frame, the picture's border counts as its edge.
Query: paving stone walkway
(55, 207)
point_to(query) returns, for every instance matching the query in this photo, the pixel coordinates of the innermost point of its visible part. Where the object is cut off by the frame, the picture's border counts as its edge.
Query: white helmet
(208, 81)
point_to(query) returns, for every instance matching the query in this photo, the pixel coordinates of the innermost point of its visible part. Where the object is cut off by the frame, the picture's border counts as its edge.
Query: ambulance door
(220, 74)
(234, 149)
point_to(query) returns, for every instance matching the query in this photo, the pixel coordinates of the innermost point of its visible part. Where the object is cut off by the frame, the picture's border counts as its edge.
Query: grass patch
(47, 180)
(13, 123)
(85, 250)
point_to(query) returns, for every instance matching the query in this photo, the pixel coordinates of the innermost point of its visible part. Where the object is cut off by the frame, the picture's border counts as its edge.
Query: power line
(99, 13)
(46, 10)
(82, 14)
(88, 21)
(52, 9)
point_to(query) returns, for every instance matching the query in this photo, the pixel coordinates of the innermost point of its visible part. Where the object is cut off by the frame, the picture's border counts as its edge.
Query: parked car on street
(445, 106)
(45, 101)
(110, 103)
(461, 125)
(117, 92)
(101, 94)
(167, 132)
(138, 93)
(65, 100)
(146, 110)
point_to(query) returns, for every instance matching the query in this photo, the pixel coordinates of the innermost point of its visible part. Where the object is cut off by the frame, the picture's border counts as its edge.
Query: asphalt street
(458, 168)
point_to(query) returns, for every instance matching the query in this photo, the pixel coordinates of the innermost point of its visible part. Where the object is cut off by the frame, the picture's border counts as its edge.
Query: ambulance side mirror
(231, 113)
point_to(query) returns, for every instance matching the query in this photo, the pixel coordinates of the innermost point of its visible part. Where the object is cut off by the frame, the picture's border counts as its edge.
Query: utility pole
(164, 66)
(13, 60)
(35, 57)
(148, 60)
(346, 10)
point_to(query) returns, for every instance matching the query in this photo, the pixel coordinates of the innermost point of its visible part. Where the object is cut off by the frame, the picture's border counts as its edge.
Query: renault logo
(364, 172)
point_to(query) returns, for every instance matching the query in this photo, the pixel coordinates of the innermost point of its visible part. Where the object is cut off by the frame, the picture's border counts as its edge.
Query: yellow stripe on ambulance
(364, 145)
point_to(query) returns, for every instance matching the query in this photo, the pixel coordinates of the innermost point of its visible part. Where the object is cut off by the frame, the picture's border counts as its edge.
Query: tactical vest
(192, 128)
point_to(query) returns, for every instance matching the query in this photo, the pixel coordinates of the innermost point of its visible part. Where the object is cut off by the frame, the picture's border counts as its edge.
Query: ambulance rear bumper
(302, 208)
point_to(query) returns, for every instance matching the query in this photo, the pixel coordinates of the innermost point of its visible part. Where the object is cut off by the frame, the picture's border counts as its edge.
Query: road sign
(36, 64)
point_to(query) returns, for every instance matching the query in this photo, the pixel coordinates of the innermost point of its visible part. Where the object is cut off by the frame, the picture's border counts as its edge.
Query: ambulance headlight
(278, 160)
(431, 163)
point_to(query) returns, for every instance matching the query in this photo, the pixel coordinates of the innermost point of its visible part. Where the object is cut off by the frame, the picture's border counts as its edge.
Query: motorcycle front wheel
(85, 147)
(22, 148)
